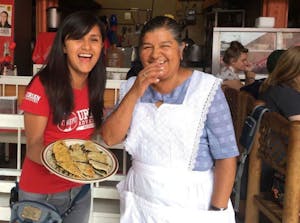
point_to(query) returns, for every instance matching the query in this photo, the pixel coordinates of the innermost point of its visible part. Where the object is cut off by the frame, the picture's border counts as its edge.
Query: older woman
(179, 132)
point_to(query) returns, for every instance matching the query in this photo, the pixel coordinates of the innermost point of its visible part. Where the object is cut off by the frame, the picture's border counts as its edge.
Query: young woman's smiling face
(159, 46)
(83, 54)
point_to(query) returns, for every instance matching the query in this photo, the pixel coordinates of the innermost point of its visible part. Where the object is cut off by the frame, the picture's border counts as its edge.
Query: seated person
(253, 88)
(281, 90)
(236, 61)
(281, 93)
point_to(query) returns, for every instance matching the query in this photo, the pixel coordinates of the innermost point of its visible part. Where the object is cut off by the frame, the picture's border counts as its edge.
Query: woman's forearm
(34, 130)
(34, 150)
(115, 127)
(224, 174)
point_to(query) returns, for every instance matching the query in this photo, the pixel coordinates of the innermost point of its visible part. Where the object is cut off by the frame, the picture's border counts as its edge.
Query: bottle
(4, 70)
(15, 70)
(5, 49)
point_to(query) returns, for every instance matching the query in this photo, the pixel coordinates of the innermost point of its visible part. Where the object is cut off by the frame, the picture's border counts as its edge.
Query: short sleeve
(35, 100)
(227, 73)
(125, 87)
(220, 131)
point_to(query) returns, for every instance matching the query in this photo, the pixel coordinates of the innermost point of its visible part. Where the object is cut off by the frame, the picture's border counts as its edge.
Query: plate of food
(80, 161)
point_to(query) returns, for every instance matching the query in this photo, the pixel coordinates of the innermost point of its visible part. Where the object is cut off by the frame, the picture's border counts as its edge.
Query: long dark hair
(56, 77)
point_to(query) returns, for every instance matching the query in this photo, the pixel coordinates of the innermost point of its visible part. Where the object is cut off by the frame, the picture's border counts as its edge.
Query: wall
(23, 36)
(141, 11)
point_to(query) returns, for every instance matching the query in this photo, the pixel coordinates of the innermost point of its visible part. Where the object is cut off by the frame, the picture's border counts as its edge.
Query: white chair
(11, 126)
(105, 202)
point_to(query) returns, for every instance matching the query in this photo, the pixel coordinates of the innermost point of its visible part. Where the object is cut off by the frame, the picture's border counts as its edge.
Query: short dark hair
(162, 22)
(273, 59)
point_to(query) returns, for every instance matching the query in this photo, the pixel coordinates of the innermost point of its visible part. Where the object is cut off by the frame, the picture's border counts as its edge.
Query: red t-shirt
(36, 178)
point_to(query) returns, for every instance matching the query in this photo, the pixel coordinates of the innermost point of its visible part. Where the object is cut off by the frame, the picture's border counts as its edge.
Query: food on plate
(99, 157)
(100, 168)
(86, 169)
(60, 151)
(71, 168)
(90, 146)
(77, 153)
(82, 161)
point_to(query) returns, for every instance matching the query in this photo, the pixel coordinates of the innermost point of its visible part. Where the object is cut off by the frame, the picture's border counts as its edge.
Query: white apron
(161, 187)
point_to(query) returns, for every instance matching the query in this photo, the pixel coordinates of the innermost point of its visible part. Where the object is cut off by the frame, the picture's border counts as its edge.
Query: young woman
(236, 62)
(179, 132)
(64, 100)
(281, 90)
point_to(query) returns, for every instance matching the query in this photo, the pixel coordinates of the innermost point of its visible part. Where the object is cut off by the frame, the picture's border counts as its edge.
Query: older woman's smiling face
(160, 46)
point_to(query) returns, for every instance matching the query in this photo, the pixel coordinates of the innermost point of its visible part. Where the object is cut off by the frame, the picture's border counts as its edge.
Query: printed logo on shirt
(79, 120)
(32, 97)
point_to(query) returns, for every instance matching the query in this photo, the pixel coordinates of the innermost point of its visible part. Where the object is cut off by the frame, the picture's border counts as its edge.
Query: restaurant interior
(208, 26)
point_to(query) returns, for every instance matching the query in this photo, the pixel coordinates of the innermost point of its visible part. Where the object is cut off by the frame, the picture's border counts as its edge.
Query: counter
(115, 73)
(15, 86)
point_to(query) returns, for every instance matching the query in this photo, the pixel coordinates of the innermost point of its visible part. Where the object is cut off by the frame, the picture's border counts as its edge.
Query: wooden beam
(208, 3)
(278, 9)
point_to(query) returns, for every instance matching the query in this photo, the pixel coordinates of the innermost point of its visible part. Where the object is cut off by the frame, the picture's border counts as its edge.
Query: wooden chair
(277, 143)
(232, 97)
(241, 104)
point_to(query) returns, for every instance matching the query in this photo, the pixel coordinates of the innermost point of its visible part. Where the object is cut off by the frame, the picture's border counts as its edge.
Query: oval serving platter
(49, 161)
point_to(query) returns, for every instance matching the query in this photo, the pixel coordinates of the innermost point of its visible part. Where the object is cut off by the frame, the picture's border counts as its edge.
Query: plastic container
(265, 22)
(114, 57)
(53, 18)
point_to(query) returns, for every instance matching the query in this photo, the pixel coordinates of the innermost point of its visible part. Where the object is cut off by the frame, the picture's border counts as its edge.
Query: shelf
(226, 18)
(259, 41)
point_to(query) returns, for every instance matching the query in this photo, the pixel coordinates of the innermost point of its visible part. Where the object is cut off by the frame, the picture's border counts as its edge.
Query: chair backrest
(11, 126)
(232, 97)
(246, 103)
(14, 86)
(277, 144)
(241, 104)
(274, 141)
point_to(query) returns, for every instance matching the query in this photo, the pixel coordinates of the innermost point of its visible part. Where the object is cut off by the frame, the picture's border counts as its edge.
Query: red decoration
(12, 45)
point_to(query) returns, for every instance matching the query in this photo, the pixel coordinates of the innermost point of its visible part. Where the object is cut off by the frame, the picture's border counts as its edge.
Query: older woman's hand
(149, 75)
